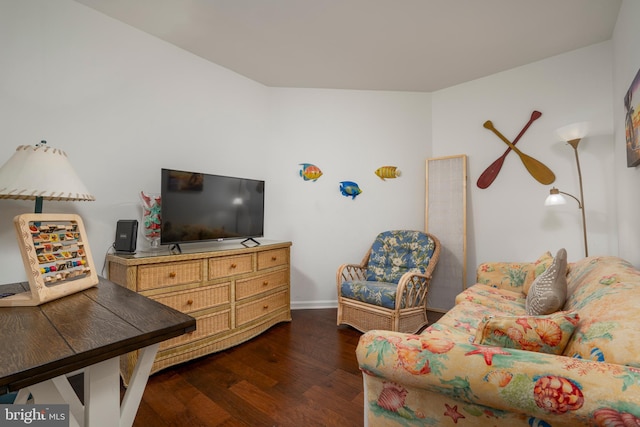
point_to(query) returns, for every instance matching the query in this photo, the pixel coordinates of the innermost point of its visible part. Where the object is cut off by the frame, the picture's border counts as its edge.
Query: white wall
(626, 64)
(508, 221)
(348, 134)
(123, 104)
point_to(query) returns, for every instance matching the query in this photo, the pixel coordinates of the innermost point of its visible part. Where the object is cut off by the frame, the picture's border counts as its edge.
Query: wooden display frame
(56, 257)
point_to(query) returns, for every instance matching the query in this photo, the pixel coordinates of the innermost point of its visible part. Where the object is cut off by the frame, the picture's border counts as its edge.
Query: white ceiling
(404, 45)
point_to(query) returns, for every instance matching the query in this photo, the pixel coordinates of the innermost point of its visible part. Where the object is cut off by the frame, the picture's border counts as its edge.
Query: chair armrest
(557, 389)
(412, 289)
(350, 272)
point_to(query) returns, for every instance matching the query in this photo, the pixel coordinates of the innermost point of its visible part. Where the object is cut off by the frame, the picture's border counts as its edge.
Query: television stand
(250, 239)
(235, 293)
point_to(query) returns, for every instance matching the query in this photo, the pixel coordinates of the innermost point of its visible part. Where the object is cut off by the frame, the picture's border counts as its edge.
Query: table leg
(102, 393)
(56, 391)
(137, 384)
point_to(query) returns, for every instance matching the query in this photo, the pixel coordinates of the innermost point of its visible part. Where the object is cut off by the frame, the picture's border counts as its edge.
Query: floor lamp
(572, 134)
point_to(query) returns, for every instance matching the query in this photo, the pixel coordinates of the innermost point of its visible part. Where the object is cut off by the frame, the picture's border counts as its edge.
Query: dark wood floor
(302, 373)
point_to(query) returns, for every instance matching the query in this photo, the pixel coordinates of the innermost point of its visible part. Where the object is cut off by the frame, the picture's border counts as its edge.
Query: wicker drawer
(206, 325)
(256, 285)
(197, 299)
(229, 266)
(245, 313)
(169, 274)
(272, 258)
(234, 293)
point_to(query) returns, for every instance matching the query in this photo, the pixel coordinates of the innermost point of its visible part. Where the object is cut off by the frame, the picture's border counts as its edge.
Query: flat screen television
(200, 207)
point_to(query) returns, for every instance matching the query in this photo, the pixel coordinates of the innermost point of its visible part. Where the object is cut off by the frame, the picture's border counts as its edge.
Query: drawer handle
(172, 274)
(274, 258)
(266, 306)
(265, 283)
(189, 302)
(233, 265)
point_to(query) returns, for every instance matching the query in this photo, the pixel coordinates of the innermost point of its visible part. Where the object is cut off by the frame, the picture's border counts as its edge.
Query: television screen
(198, 207)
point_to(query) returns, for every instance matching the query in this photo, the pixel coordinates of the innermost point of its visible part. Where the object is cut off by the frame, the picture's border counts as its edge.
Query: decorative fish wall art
(310, 172)
(350, 189)
(387, 172)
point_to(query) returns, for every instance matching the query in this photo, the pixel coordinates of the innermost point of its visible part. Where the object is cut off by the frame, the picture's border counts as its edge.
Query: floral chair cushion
(396, 252)
(382, 294)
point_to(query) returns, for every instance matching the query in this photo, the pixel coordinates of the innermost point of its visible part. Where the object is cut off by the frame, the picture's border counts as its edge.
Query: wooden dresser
(234, 293)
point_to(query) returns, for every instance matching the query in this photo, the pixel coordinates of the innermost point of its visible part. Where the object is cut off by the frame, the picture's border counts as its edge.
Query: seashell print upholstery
(442, 377)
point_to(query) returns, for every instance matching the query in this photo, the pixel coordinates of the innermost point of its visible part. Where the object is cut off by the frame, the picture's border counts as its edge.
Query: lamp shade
(555, 198)
(573, 131)
(41, 171)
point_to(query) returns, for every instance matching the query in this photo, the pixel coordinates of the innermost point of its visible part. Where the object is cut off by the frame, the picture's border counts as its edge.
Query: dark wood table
(87, 331)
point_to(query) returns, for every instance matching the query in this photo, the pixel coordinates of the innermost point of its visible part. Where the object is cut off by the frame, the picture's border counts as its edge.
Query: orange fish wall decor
(310, 172)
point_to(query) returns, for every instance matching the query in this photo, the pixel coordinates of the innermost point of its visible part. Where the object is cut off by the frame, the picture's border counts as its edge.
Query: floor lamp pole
(574, 143)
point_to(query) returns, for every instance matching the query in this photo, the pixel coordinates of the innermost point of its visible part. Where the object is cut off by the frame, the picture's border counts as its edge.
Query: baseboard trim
(306, 305)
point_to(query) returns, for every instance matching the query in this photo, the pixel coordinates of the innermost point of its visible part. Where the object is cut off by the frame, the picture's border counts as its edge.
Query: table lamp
(54, 247)
(40, 172)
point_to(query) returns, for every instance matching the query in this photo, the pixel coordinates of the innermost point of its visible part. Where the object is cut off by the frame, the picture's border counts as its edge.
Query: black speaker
(126, 236)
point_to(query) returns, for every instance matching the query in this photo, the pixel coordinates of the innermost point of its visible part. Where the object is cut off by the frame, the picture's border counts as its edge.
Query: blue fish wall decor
(350, 189)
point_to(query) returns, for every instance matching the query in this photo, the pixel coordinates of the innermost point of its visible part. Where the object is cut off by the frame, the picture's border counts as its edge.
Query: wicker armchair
(388, 289)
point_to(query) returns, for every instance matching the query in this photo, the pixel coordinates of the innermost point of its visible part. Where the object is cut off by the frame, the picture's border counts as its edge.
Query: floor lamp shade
(41, 172)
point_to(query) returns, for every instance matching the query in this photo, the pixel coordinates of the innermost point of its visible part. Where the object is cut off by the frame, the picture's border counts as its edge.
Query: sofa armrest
(557, 389)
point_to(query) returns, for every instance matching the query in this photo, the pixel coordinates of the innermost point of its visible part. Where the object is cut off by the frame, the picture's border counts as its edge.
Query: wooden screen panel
(446, 218)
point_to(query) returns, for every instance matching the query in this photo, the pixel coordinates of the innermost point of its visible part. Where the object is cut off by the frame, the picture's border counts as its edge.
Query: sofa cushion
(515, 277)
(549, 291)
(396, 252)
(465, 317)
(544, 334)
(502, 300)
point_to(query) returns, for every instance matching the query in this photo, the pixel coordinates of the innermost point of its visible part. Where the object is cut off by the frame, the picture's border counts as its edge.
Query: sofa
(488, 361)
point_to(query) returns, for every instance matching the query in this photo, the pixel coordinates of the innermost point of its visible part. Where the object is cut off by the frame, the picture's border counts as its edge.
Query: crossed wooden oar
(537, 169)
